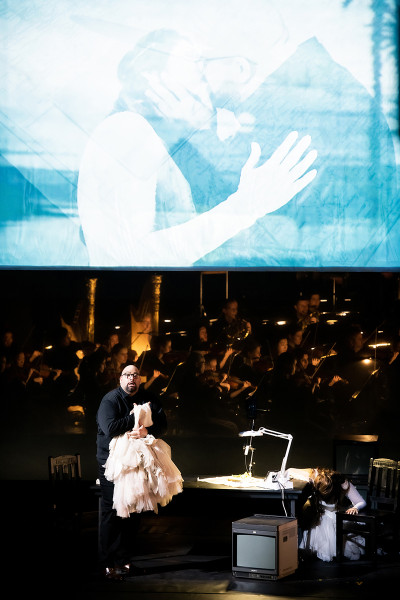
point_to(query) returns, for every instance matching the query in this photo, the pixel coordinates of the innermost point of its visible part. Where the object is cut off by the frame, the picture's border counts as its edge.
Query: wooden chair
(378, 524)
(65, 490)
(65, 468)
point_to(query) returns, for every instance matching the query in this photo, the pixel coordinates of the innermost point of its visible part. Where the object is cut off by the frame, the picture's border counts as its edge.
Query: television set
(264, 547)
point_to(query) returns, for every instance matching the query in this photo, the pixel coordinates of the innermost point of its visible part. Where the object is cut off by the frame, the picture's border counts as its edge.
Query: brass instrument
(237, 331)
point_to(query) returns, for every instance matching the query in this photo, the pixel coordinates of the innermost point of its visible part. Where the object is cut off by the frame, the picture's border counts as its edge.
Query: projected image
(200, 135)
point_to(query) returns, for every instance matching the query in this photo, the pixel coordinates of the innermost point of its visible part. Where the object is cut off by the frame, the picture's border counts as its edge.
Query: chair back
(383, 484)
(65, 468)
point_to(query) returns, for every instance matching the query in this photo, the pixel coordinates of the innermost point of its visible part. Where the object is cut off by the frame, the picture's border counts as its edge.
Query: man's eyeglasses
(131, 375)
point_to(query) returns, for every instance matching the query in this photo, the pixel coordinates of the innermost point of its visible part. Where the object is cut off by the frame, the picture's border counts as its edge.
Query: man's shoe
(114, 574)
(130, 570)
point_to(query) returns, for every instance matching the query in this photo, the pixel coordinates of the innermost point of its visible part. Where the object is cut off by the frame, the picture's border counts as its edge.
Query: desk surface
(194, 483)
(199, 484)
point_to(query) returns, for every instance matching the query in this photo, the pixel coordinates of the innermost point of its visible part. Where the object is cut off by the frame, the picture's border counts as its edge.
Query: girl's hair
(327, 487)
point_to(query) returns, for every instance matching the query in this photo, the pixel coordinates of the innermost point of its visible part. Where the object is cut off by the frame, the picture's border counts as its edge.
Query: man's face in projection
(243, 53)
(227, 75)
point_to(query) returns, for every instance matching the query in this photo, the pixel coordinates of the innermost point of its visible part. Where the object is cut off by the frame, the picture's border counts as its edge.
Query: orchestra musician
(230, 385)
(230, 329)
(153, 364)
(314, 307)
(202, 399)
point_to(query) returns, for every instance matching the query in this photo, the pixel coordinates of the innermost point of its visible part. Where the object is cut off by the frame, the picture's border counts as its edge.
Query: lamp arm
(284, 461)
(285, 436)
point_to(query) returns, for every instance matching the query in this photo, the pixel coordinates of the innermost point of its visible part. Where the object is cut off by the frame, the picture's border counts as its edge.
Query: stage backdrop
(201, 134)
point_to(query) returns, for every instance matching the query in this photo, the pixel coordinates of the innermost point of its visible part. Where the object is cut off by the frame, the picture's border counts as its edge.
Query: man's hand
(137, 432)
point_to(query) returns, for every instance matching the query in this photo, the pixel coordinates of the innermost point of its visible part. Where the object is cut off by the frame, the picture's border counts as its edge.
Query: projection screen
(201, 134)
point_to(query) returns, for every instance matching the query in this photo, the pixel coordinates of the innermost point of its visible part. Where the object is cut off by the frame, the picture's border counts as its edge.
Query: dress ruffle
(143, 473)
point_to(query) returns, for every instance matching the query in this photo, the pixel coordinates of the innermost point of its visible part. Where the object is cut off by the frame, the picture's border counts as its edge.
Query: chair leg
(339, 538)
(373, 542)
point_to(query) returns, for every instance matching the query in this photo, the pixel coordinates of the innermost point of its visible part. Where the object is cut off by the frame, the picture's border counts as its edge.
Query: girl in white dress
(329, 489)
(142, 470)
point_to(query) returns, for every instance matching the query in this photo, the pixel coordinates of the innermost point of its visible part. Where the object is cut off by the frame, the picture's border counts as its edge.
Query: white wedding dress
(142, 470)
(321, 540)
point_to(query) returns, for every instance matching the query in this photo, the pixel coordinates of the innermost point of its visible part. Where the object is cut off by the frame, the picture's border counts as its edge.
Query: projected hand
(271, 185)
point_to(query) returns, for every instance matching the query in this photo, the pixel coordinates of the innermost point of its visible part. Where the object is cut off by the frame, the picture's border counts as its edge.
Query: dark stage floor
(185, 551)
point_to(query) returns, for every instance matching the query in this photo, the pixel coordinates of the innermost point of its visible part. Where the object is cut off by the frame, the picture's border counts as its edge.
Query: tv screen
(146, 135)
(255, 551)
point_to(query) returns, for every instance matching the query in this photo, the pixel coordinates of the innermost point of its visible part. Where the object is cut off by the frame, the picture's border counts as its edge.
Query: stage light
(281, 322)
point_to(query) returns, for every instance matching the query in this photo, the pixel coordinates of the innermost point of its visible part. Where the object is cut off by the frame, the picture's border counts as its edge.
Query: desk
(226, 492)
(210, 489)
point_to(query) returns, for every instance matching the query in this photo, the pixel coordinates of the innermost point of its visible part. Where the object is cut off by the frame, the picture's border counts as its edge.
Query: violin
(42, 371)
(175, 356)
(236, 383)
(212, 377)
(264, 364)
(334, 379)
(218, 377)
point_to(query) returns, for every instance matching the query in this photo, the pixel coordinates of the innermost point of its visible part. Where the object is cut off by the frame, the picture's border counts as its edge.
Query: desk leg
(98, 526)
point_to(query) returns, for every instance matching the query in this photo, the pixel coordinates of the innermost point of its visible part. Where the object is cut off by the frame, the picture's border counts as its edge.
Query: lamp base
(276, 481)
